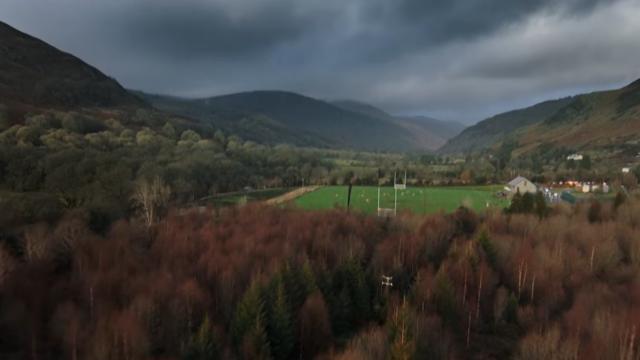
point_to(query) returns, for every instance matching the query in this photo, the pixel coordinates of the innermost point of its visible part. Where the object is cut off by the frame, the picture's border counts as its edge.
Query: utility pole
(395, 196)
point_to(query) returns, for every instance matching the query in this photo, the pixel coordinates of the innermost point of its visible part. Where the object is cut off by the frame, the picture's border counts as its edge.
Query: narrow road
(291, 195)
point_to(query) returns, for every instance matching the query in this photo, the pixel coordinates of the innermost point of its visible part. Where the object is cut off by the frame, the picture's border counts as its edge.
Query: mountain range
(286, 117)
(35, 76)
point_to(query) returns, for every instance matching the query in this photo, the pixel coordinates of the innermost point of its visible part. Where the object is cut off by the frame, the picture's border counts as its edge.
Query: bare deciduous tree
(150, 196)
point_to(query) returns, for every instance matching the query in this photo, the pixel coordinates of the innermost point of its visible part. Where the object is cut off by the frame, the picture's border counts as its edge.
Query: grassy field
(421, 200)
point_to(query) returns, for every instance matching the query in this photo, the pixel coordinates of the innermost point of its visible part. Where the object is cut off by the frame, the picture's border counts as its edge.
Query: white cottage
(522, 185)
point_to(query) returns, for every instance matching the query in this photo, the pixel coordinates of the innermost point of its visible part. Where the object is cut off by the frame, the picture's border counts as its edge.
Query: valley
(201, 218)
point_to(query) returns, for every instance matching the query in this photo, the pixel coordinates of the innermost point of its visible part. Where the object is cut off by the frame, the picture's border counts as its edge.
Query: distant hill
(605, 119)
(33, 72)
(285, 117)
(487, 132)
(426, 132)
(444, 129)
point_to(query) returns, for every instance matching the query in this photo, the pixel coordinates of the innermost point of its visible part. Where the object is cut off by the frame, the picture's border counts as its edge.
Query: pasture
(419, 200)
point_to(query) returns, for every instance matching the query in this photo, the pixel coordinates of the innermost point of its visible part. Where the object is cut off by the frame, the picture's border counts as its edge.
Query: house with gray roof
(521, 185)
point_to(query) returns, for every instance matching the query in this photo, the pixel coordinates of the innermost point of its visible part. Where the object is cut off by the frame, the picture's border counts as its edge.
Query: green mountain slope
(605, 120)
(487, 132)
(285, 117)
(608, 121)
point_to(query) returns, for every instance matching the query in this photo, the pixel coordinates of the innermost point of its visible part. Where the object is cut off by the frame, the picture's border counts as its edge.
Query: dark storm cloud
(459, 59)
(194, 29)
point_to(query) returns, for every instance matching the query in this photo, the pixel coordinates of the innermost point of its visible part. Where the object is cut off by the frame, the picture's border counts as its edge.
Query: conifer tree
(308, 279)
(488, 248)
(280, 328)
(255, 345)
(510, 314)
(444, 298)
(249, 311)
(202, 345)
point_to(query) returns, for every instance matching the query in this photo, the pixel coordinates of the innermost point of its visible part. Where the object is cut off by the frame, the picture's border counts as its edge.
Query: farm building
(575, 157)
(521, 185)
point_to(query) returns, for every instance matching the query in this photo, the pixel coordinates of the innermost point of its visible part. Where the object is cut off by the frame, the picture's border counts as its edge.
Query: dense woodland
(267, 283)
(55, 161)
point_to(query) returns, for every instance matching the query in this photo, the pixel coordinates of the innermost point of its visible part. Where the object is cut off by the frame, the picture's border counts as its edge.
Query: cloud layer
(454, 59)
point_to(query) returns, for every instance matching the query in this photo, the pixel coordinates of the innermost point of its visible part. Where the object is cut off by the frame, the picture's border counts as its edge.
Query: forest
(258, 282)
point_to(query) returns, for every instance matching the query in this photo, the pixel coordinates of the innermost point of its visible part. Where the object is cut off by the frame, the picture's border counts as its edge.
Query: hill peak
(634, 85)
(35, 73)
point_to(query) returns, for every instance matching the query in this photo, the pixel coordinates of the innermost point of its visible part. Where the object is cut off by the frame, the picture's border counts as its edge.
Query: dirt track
(291, 195)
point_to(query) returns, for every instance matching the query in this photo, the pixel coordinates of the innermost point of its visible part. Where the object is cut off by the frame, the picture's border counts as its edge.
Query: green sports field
(421, 200)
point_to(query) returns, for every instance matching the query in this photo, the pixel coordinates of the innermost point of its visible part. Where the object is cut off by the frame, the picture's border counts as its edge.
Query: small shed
(522, 185)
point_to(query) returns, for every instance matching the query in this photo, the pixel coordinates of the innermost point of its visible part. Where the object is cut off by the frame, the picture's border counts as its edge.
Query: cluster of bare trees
(261, 282)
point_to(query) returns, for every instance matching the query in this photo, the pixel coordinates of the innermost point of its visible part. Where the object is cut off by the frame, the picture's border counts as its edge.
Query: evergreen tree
(308, 279)
(280, 327)
(294, 286)
(444, 298)
(528, 203)
(516, 203)
(342, 314)
(541, 207)
(359, 289)
(510, 314)
(249, 311)
(586, 162)
(487, 247)
(255, 344)
(202, 345)
(619, 200)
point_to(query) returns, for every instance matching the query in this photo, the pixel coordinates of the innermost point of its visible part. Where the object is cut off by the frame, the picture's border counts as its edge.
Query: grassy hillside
(607, 121)
(487, 132)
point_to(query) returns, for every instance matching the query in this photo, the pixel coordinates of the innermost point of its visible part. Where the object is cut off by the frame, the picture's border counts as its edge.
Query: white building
(521, 185)
(575, 157)
(626, 170)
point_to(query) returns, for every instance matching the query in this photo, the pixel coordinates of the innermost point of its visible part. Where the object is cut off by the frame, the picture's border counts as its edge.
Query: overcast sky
(451, 59)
